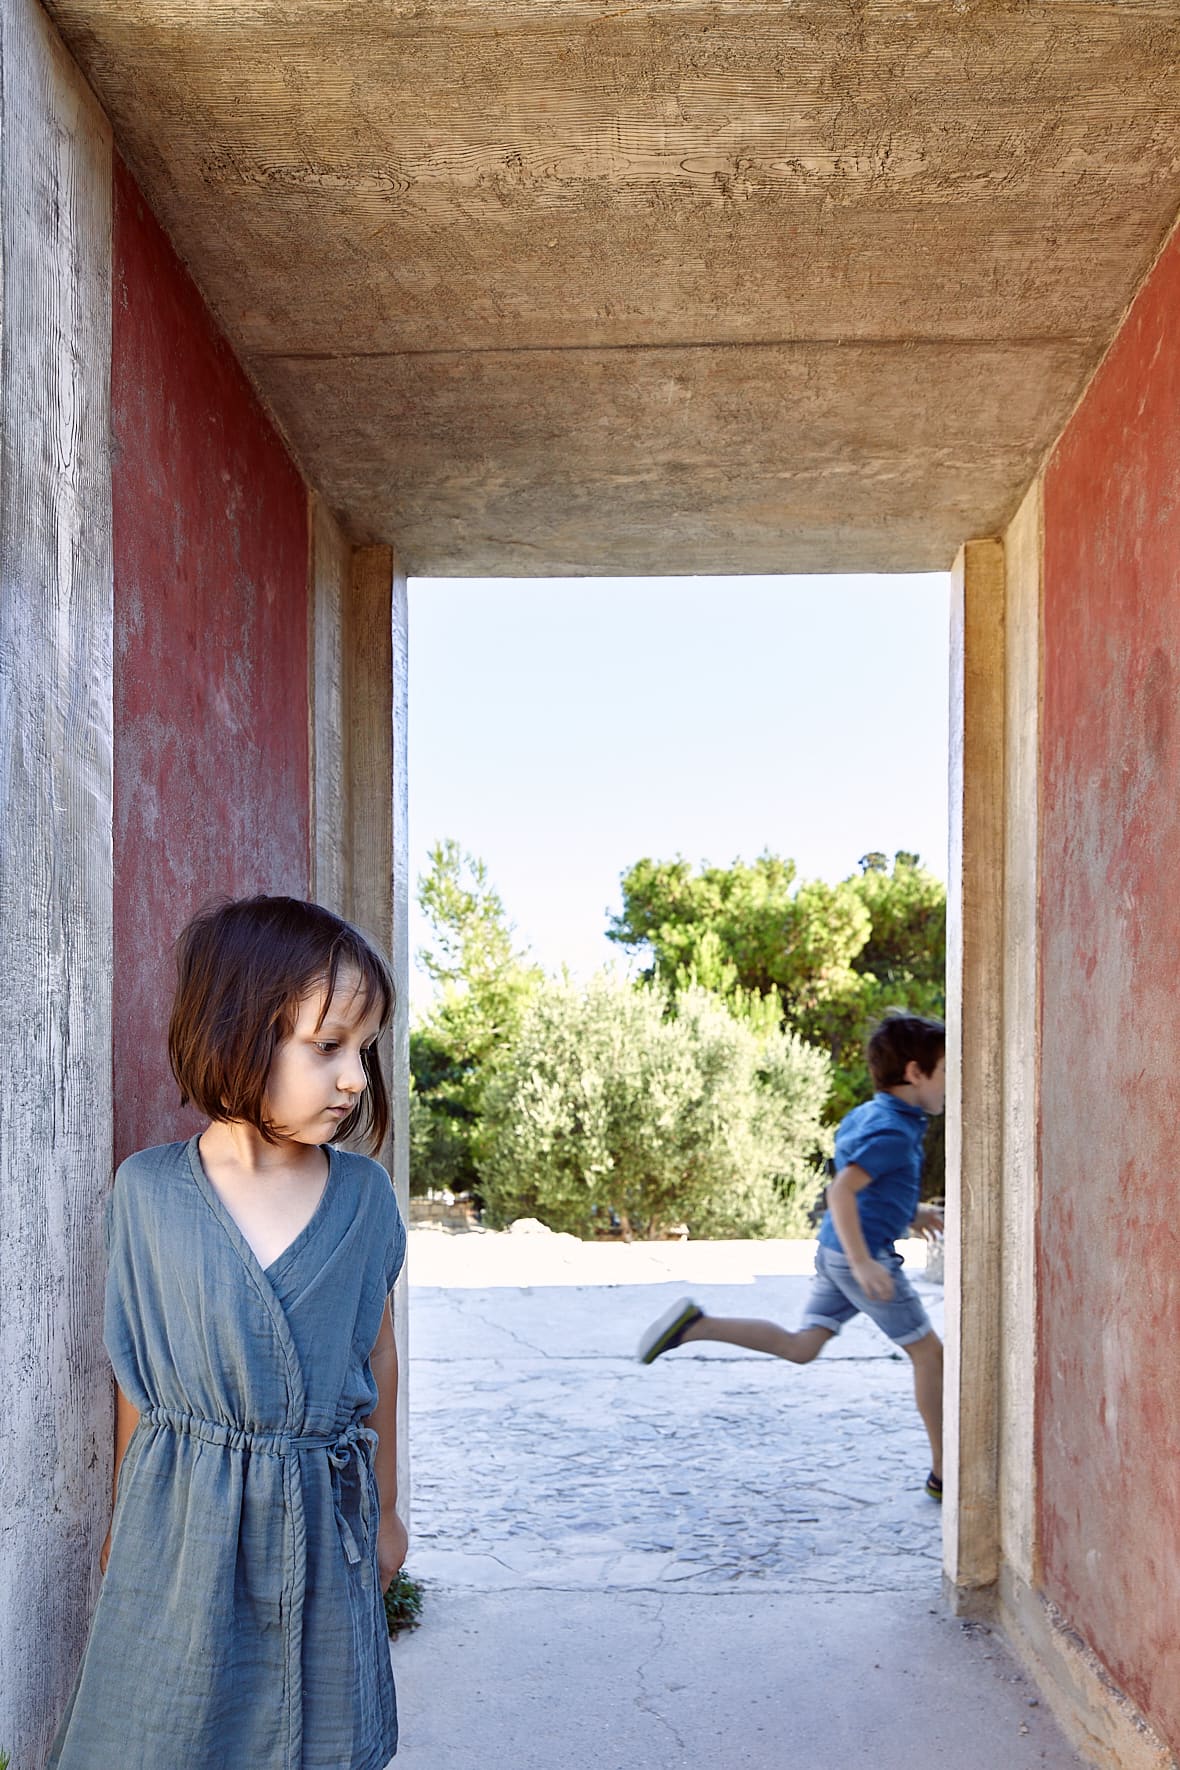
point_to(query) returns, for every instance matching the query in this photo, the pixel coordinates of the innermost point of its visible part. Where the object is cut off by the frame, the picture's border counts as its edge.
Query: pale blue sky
(564, 728)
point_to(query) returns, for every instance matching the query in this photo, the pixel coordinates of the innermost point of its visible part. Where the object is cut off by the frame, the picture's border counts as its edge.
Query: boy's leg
(926, 1357)
(799, 1347)
(903, 1318)
(826, 1311)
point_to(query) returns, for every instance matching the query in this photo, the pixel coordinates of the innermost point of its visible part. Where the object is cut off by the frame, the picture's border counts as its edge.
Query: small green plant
(403, 1606)
(5, 1760)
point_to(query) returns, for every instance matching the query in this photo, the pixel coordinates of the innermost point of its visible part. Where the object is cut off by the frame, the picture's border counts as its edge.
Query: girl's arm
(391, 1538)
(126, 1420)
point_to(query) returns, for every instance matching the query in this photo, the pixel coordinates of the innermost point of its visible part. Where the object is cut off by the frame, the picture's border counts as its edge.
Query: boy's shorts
(836, 1297)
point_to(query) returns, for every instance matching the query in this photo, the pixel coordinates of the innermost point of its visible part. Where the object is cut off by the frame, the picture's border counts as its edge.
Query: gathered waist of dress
(273, 1444)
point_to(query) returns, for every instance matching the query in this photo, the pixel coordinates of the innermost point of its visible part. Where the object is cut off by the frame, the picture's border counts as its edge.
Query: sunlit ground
(482, 1261)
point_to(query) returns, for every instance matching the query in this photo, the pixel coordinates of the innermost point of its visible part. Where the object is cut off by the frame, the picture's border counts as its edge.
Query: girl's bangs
(353, 954)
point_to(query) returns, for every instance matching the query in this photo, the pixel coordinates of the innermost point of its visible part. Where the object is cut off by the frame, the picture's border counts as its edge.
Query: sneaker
(934, 1487)
(668, 1331)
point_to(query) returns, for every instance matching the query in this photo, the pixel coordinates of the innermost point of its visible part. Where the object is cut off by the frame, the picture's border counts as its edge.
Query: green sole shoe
(668, 1331)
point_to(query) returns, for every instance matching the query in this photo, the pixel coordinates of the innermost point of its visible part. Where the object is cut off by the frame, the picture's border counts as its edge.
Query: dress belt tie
(355, 1442)
(359, 1442)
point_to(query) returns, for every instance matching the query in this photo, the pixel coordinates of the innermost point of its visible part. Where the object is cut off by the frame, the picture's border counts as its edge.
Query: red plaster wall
(211, 660)
(1108, 1402)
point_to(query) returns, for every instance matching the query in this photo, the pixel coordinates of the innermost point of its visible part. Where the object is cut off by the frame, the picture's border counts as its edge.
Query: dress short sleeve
(395, 1241)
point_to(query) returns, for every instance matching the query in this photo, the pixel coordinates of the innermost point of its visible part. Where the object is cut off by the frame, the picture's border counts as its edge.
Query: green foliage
(750, 927)
(902, 964)
(483, 983)
(612, 1098)
(403, 1605)
(827, 959)
(443, 1115)
(702, 1096)
(474, 959)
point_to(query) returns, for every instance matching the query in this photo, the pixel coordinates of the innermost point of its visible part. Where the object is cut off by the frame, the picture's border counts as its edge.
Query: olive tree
(662, 1110)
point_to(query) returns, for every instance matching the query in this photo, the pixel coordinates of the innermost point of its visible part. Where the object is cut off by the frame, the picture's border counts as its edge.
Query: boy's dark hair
(242, 970)
(899, 1039)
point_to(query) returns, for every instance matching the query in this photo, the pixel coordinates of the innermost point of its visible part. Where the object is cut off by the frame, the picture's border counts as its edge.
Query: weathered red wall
(1108, 1402)
(211, 686)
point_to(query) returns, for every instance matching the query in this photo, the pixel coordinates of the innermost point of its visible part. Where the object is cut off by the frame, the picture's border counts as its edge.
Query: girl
(241, 1623)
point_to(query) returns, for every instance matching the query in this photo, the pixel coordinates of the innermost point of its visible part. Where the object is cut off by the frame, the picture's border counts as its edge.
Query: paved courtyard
(721, 1559)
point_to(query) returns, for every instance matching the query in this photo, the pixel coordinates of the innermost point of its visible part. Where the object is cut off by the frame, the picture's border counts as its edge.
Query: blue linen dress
(241, 1621)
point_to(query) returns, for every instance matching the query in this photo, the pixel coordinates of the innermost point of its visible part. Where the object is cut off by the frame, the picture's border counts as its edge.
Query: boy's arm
(126, 1420)
(869, 1274)
(391, 1538)
(928, 1222)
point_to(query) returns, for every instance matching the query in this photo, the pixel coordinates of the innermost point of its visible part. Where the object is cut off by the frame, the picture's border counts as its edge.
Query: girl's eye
(327, 1046)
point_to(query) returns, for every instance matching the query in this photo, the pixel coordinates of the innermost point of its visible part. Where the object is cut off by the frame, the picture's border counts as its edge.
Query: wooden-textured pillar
(360, 807)
(56, 626)
(329, 822)
(1022, 1041)
(975, 973)
(376, 647)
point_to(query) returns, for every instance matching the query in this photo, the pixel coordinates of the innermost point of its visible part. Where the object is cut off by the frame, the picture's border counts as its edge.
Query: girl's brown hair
(242, 970)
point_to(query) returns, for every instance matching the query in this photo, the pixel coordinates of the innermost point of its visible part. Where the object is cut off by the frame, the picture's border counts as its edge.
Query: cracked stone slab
(727, 1466)
(543, 1680)
(720, 1559)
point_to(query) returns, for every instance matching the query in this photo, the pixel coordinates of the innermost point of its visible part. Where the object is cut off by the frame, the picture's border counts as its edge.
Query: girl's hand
(392, 1543)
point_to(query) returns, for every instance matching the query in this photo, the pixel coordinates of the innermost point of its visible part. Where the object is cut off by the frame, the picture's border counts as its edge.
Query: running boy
(872, 1200)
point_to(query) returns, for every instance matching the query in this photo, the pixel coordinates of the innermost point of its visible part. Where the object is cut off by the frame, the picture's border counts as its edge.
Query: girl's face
(316, 1077)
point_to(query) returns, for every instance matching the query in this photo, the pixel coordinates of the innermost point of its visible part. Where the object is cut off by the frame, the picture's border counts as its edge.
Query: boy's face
(929, 1090)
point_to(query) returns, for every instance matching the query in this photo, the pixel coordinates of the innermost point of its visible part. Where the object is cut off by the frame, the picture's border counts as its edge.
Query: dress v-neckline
(222, 1210)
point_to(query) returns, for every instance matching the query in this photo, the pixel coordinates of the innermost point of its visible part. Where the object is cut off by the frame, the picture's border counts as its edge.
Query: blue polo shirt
(884, 1137)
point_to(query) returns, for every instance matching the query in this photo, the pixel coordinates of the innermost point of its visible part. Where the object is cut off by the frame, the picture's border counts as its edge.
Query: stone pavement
(722, 1559)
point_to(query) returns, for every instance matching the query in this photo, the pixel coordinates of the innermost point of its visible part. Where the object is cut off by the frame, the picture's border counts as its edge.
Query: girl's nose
(352, 1078)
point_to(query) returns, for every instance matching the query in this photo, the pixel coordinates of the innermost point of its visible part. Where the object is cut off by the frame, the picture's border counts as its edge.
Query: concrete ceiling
(588, 286)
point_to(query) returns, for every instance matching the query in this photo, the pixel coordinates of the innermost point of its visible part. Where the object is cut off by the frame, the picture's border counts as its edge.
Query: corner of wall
(1091, 1710)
